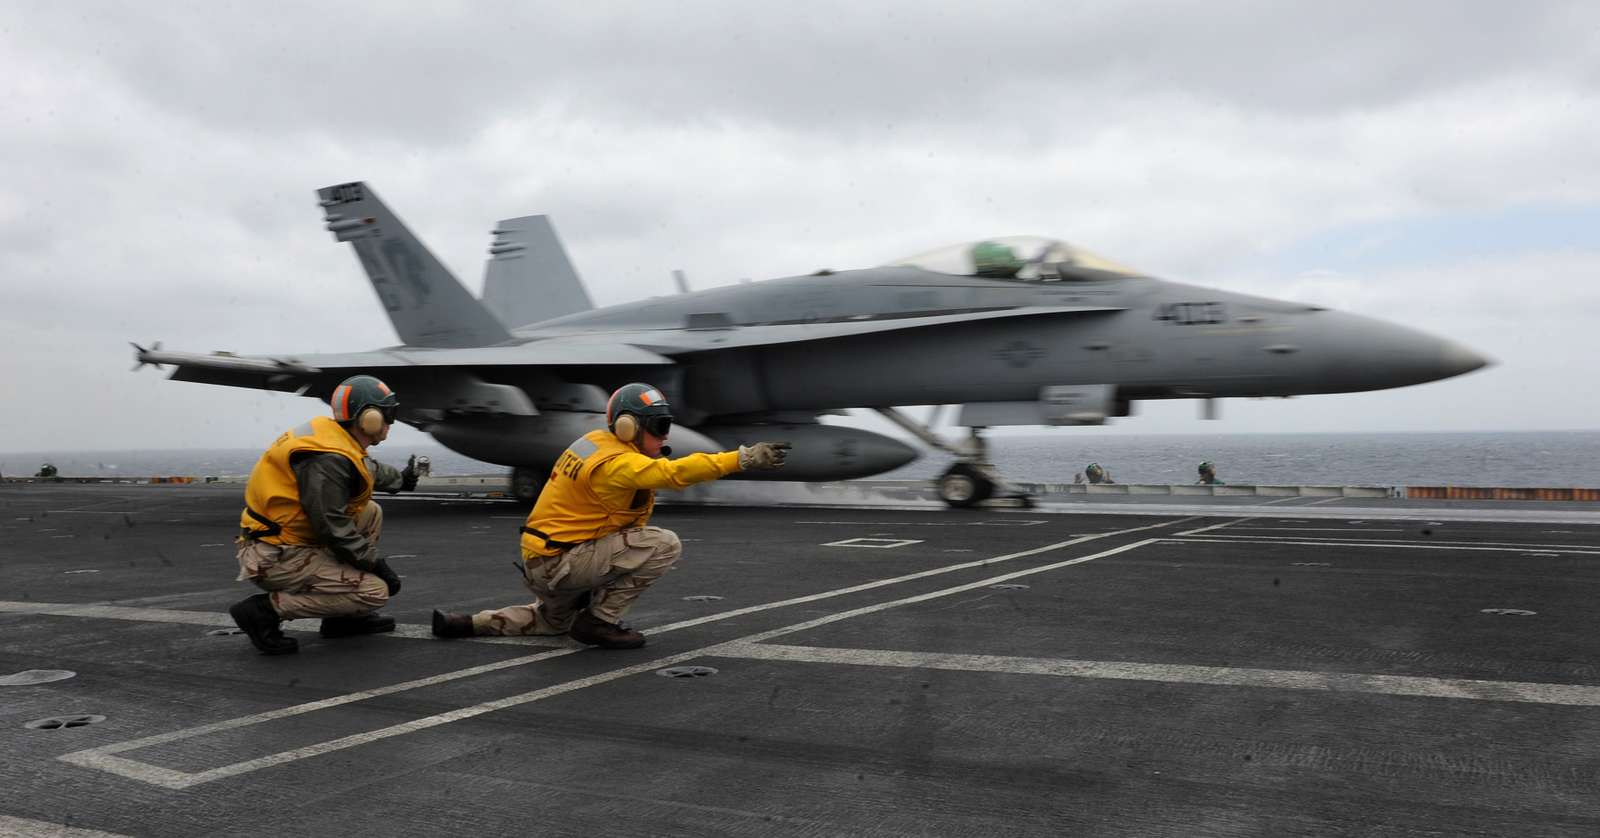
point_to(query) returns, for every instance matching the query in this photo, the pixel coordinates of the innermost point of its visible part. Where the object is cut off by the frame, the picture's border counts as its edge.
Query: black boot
(597, 632)
(452, 625)
(254, 616)
(368, 623)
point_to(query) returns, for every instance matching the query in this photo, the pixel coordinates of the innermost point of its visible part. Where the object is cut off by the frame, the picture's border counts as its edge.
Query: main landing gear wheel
(526, 483)
(964, 485)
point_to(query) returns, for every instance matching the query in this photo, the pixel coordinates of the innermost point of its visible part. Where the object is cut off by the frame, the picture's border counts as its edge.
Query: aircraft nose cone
(1455, 359)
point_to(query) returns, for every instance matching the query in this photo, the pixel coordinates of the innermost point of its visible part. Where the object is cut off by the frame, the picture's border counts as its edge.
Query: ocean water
(1532, 458)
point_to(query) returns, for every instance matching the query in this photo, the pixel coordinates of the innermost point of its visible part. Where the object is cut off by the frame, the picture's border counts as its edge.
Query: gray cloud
(162, 162)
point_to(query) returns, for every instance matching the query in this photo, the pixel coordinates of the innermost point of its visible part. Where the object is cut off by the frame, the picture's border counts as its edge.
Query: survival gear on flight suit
(572, 509)
(273, 512)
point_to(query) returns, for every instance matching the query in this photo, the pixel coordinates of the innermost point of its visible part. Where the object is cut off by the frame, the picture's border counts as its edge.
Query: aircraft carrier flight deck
(1127, 666)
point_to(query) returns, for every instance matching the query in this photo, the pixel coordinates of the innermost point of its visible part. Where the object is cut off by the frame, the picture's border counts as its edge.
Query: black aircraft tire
(526, 483)
(964, 485)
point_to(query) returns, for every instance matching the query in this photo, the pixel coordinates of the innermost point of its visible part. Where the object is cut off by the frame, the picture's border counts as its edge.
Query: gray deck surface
(1104, 666)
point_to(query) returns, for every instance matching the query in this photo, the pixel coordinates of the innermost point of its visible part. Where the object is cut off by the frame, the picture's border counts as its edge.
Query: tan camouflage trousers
(614, 569)
(307, 581)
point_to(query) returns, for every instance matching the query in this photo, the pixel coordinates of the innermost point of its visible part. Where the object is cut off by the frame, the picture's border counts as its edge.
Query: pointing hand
(763, 455)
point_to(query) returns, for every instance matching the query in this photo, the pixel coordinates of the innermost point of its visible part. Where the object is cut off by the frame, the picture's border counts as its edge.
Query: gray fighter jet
(1013, 330)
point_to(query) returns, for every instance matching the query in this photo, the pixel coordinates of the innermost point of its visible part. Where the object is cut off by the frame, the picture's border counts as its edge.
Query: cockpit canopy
(1016, 257)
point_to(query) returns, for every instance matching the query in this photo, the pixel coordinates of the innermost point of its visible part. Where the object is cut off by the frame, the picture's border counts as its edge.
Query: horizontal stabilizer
(426, 303)
(528, 277)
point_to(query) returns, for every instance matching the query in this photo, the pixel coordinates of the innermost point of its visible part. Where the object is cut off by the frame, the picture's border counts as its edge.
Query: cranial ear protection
(370, 421)
(626, 427)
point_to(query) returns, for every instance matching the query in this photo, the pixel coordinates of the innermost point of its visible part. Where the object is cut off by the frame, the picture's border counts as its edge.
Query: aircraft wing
(444, 378)
(431, 378)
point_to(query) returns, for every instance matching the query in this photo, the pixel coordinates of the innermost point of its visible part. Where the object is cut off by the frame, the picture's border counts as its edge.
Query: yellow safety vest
(272, 510)
(571, 510)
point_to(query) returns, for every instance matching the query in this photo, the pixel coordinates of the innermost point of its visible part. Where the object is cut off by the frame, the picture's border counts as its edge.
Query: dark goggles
(388, 412)
(658, 425)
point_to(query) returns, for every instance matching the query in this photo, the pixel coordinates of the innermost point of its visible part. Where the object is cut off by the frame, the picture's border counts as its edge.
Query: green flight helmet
(995, 259)
(638, 406)
(364, 401)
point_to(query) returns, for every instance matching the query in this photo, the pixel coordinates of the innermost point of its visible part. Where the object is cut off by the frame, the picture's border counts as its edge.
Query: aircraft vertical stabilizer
(528, 277)
(427, 304)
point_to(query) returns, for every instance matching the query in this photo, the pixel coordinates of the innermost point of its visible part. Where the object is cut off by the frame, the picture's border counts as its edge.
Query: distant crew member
(1208, 474)
(309, 530)
(1093, 473)
(46, 470)
(587, 549)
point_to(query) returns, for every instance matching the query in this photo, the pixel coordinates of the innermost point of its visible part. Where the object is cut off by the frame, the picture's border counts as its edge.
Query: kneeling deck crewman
(586, 550)
(309, 530)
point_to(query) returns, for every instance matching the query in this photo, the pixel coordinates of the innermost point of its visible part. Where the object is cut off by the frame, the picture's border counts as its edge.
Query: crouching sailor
(587, 552)
(309, 530)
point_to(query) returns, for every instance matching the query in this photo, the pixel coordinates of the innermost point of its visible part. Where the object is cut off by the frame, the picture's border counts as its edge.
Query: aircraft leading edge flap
(745, 336)
(426, 303)
(528, 277)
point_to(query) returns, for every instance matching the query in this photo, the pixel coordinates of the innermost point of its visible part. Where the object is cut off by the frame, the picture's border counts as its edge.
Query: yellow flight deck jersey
(601, 485)
(272, 510)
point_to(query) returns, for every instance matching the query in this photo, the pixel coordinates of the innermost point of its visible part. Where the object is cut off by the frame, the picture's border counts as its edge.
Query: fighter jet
(1016, 330)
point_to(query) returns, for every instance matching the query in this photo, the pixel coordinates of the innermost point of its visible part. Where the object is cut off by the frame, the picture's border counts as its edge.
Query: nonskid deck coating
(1113, 667)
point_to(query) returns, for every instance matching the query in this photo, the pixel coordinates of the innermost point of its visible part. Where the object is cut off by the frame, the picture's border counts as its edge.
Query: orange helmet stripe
(341, 398)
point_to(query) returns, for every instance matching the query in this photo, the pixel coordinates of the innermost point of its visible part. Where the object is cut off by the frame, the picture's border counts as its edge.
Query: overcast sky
(1436, 164)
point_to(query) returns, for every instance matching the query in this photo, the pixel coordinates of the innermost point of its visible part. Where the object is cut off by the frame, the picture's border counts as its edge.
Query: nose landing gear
(965, 484)
(972, 479)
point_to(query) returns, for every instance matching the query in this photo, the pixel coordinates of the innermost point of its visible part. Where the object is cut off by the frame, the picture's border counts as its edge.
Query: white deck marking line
(116, 612)
(410, 631)
(865, 586)
(447, 497)
(1232, 523)
(1281, 500)
(1393, 545)
(1576, 695)
(874, 543)
(10, 826)
(1317, 529)
(971, 586)
(1519, 544)
(999, 522)
(1325, 500)
(101, 758)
